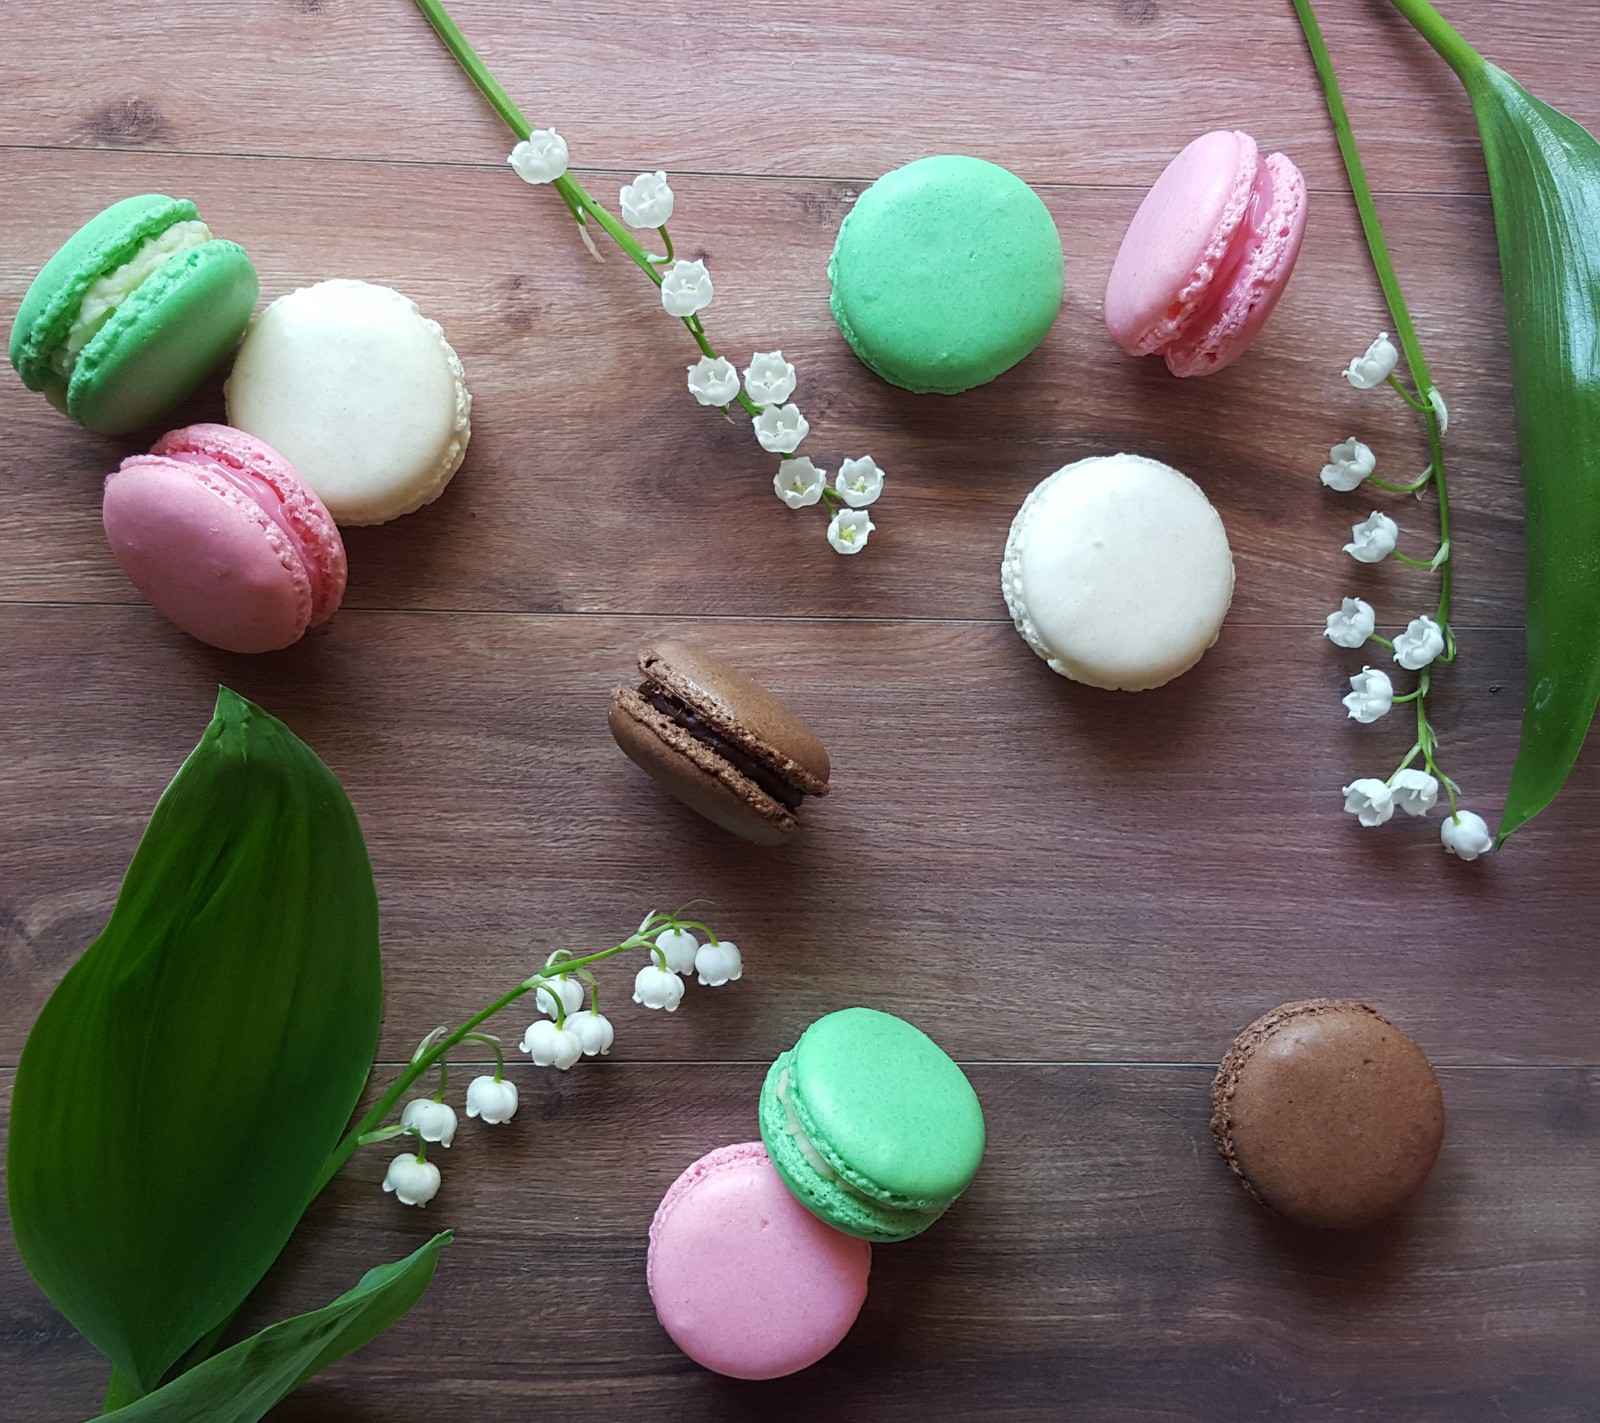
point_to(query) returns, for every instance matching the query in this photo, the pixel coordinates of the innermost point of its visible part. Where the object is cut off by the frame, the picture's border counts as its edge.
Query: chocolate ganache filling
(736, 756)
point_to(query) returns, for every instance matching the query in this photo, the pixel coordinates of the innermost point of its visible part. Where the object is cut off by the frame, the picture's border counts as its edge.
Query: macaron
(1328, 1113)
(871, 1125)
(362, 394)
(1117, 572)
(219, 532)
(946, 273)
(746, 1281)
(132, 313)
(719, 742)
(1207, 255)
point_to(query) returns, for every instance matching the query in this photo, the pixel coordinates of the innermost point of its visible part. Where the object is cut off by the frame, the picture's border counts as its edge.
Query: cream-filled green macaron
(360, 392)
(1118, 572)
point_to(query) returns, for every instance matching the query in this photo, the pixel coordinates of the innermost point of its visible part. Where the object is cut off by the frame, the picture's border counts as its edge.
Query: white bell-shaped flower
(849, 530)
(799, 482)
(1352, 624)
(686, 288)
(541, 157)
(678, 946)
(1373, 539)
(718, 963)
(432, 1121)
(570, 990)
(1415, 792)
(1465, 835)
(1419, 644)
(1369, 800)
(769, 379)
(494, 1102)
(550, 1046)
(859, 482)
(657, 987)
(594, 1031)
(1375, 366)
(413, 1182)
(646, 201)
(714, 382)
(1371, 695)
(780, 428)
(1349, 466)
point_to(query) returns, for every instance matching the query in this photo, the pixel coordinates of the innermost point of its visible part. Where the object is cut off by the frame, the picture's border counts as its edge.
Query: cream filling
(819, 1163)
(107, 293)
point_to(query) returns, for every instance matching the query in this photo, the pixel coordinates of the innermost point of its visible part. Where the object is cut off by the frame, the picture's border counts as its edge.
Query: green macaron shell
(828, 1198)
(169, 334)
(893, 1122)
(98, 248)
(946, 273)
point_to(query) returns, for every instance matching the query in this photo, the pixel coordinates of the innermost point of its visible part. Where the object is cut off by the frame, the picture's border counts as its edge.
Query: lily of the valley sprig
(567, 1032)
(686, 290)
(1426, 642)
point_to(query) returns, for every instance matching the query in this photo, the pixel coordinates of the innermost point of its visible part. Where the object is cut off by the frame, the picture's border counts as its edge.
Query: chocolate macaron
(719, 742)
(1328, 1113)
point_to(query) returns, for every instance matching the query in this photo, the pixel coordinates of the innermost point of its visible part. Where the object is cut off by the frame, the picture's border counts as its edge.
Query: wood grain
(1082, 896)
(1104, 1266)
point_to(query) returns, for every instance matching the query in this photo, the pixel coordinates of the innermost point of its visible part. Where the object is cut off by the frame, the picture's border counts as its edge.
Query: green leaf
(240, 1384)
(1544, 179)
(186, 1082)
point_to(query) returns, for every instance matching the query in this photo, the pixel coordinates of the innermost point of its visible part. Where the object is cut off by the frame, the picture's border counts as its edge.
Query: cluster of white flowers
(567, 1031)
(677, 953)
(769, 380)
(1354, 624)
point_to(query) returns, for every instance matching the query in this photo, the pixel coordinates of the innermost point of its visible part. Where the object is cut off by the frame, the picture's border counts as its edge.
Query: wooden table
(1082, 895)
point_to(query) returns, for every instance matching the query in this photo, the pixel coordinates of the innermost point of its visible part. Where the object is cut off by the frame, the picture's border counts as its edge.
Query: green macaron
(872, 1127)
(945, 273)
(137, 308)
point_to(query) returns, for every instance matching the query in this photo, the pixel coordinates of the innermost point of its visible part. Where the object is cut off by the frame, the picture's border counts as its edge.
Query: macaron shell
(1177, 240)
(745, 1281)
(1328, 1113)
(692, 773)
(100, 246)
(170, 333)
(1219, 334)
(827, 1197)
(945, 274)
(1117, 572)
(206, 556)
(740, 709)
(887, 1108)
(362, 394)
(320, 545)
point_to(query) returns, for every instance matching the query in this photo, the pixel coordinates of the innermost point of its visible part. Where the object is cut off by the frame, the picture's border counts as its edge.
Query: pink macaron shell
(1181, 234)
(263, 474)
(745, 1279)
(1267, 249)
(206, 556)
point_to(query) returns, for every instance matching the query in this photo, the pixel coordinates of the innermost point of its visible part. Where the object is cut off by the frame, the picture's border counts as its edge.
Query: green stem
(386, 1103)
(1411, 400)
(1442, 35)
(571, 190)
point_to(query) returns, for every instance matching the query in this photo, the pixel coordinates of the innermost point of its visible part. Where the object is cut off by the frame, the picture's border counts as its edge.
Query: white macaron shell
(360, 392)
(1118, 573)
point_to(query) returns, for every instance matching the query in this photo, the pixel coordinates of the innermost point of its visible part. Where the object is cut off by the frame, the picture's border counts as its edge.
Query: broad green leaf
(240, 1384)
(190, 1075)
(1544, 179)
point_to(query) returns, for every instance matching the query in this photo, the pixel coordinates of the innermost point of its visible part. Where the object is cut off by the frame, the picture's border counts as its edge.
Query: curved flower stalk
(568, 1033)
(686, 290)
(1427, 640)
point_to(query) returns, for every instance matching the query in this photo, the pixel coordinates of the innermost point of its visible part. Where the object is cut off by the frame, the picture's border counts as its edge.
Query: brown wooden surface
(1084, 896)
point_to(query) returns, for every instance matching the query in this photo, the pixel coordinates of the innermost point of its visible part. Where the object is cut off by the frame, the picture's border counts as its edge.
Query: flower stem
(571, 190)
(386, 1103)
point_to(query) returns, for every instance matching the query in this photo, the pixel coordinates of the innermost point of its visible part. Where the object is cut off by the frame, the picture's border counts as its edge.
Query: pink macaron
(745, 1279)
(219, 532)
(1207, 255)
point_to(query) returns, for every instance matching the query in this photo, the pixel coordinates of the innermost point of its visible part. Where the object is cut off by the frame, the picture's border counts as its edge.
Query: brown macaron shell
(1328, 1113)
(752, 722)
(692, 773)
(741, 710)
